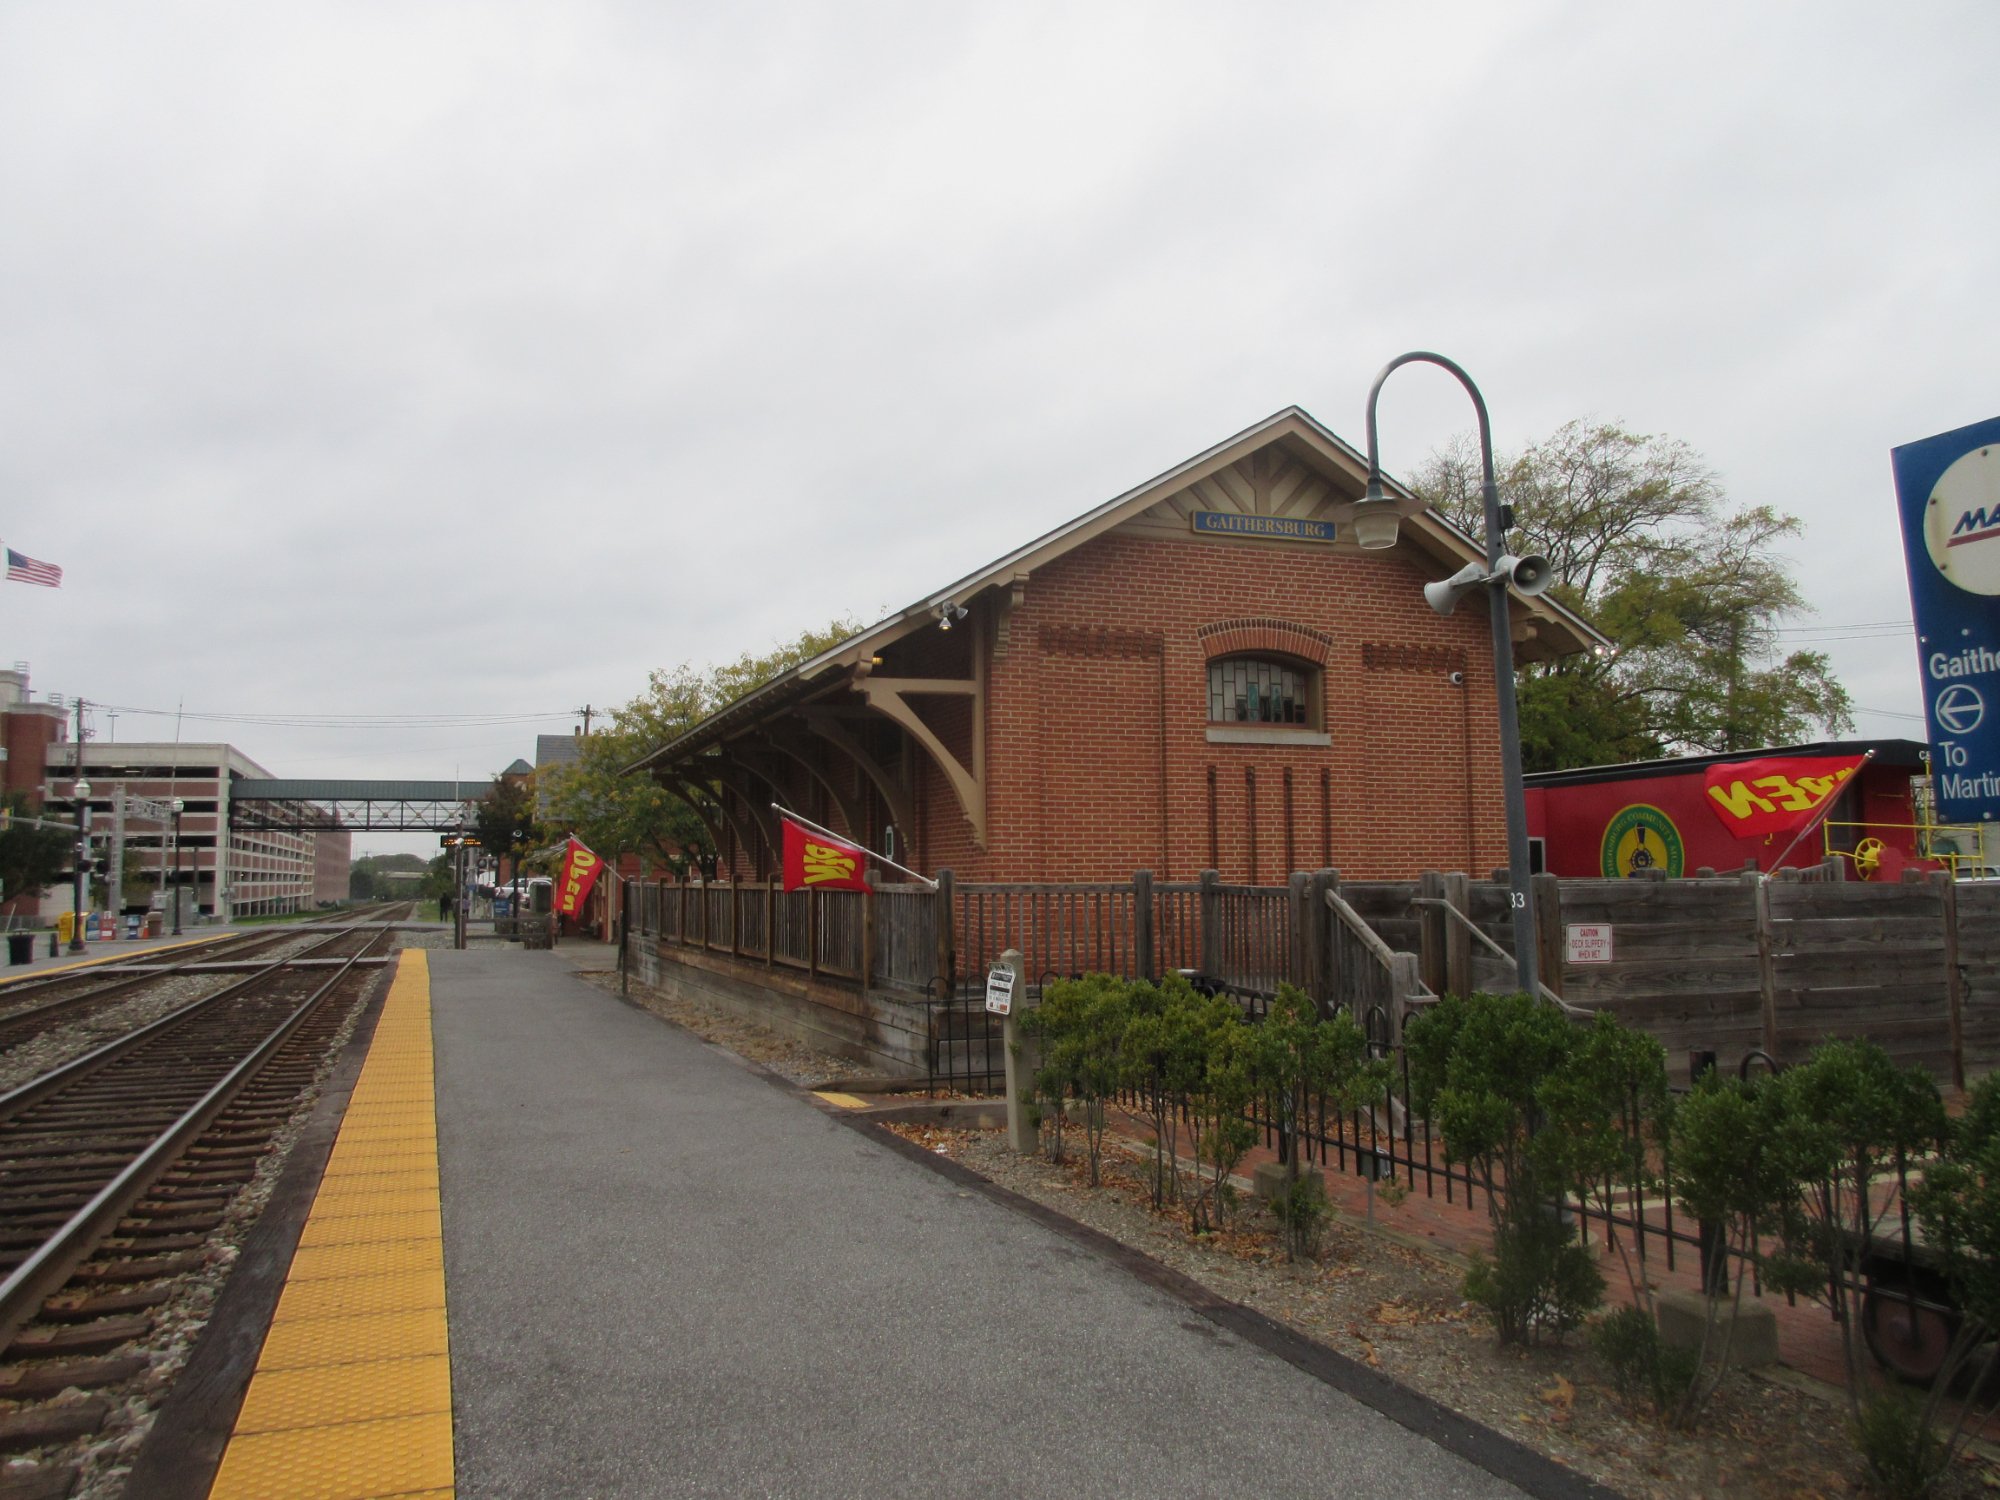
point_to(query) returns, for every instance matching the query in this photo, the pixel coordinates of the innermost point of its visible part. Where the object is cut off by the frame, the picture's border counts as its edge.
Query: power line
(354, 721)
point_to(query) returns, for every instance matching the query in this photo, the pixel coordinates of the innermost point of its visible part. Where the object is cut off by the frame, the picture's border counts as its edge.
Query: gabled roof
(1423, 528)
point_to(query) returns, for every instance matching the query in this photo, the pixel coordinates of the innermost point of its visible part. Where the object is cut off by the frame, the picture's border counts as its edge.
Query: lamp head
(949, 613)
(80, 791)
(1376, 518)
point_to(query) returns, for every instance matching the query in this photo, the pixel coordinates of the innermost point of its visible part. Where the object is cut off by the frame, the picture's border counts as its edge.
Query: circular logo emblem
(1641, 837)
(1959, 708)
(1962, 522)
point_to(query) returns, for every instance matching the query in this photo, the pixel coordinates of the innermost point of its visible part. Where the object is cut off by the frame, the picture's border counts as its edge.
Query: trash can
(20, 947)
(156, 924)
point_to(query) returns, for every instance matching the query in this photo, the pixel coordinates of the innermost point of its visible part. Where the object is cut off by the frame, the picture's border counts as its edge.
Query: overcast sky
(369, 360)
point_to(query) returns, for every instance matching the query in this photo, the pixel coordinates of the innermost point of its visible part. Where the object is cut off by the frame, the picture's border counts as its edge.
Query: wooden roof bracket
(706, 812)
(826, 723)
(733, 775)
(850, 810)
(885, 696)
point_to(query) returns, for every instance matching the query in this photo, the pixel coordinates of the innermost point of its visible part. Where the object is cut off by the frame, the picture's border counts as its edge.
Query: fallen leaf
(1561, 1396)
(1397, 1313)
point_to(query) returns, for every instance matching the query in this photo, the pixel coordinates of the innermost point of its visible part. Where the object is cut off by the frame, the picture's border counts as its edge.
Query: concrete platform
(667, 1276)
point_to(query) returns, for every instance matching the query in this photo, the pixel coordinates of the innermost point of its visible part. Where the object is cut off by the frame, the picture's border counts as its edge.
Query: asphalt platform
(668, 1274)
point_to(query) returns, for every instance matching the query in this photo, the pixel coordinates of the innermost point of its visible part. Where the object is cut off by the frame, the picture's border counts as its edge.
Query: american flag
(24, 569)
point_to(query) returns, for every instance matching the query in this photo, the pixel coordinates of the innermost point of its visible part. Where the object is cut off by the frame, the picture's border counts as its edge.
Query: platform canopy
(358, 806)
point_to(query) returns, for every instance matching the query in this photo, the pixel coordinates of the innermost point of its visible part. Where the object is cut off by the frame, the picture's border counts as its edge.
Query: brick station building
(1205, 672)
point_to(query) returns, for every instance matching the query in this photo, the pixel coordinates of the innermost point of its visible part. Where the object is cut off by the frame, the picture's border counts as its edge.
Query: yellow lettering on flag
(1739, 801)
(822, 864)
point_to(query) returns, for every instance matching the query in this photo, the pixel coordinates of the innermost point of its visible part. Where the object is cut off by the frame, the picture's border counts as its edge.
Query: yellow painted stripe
(352, 1395)
(845, 1101)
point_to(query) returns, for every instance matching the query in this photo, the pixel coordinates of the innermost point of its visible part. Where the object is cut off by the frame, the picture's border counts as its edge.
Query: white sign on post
(1000, 989)
(1587, 942)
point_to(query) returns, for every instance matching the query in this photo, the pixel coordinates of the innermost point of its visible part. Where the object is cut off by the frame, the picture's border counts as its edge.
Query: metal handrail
(1543, 991)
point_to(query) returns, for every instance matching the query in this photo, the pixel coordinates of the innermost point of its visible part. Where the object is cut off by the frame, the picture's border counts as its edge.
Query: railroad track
(116, 1167)
(40, 1004)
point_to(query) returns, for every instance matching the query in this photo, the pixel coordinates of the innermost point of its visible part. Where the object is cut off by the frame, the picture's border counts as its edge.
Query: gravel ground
(65, 1043)
(104, 1459)
(1378, 1297)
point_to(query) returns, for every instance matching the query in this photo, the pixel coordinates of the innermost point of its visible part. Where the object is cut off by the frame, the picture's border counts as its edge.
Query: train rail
(116, 1167)
(43, 1003)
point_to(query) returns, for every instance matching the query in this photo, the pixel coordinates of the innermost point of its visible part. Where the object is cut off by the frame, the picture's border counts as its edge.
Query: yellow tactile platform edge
(351, 1399)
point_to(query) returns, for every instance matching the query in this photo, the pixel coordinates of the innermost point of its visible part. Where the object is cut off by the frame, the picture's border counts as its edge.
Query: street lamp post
(178, 806)
(81, 792)
(1496, 579)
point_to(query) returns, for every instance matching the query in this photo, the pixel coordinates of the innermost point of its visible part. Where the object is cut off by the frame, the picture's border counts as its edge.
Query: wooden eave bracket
(886, 696)
(827, 724)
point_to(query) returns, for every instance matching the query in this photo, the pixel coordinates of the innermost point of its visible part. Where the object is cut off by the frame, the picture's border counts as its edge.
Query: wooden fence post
(943, 902)
(1954, 978)
(735, 921)
(1327, 884)
(868, 928)
(1404, 982)
(1211, 923)
(1142, 925)
(1767, 968)
(1431, 925)
(770, 923)
(812, 932)
(1547, 895)
(1458, 978)
(1301, 960)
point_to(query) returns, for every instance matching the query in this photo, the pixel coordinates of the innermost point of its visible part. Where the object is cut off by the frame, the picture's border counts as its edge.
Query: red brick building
(1205, 672)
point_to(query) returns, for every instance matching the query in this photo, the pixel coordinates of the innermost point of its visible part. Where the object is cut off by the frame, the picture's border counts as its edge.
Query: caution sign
(1639, 839)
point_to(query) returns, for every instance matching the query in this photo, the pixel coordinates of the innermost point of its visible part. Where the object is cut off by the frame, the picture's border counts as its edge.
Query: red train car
(1694, 812)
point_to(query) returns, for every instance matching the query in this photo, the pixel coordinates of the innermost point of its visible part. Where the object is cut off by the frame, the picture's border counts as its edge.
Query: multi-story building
(227, 872)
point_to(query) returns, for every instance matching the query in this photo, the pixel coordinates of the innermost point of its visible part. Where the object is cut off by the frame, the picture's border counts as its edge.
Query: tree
(618, 814)
(30, 857)
(504, 822)
(1643, 542)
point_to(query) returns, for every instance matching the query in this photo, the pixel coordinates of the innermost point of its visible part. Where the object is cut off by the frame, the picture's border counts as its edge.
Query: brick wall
(1098, 755)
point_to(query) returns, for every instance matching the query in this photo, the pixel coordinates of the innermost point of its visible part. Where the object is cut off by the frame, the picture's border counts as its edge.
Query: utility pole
(586, 711)
(80, 794)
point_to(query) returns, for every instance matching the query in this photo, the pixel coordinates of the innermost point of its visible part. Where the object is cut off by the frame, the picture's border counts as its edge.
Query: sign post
(1007, 996)
(1948, 494)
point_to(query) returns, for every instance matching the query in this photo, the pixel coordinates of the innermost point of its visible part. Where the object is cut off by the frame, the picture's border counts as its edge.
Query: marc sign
(1948, 494)
(1000, 989)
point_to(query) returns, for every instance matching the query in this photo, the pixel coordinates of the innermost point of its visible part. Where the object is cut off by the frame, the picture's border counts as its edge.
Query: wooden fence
(1736, 964)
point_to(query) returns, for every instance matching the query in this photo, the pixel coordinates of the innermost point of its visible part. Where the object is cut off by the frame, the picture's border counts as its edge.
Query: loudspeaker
(1528, 576)
(1443, 596)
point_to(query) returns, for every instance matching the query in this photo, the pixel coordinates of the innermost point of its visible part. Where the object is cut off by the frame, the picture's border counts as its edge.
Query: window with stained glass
(1251, 690)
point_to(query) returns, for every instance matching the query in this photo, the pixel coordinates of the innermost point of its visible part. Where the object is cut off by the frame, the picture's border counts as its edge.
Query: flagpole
(804, 822)
(1814, 822)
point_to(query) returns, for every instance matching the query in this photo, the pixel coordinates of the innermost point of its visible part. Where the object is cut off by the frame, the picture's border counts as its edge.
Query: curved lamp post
(1500, 571)
(80, 791)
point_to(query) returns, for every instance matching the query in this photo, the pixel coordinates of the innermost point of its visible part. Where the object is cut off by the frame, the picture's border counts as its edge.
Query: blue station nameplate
(1279, 528)
(1948, 490)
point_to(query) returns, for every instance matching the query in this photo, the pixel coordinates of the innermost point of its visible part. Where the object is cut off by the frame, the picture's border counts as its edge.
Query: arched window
(1260, 690)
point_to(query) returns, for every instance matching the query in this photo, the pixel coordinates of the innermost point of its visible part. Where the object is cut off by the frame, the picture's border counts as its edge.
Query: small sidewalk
(668, 1276)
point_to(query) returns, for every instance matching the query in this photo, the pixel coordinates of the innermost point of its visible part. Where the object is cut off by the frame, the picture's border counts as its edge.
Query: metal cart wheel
(1907, 1331)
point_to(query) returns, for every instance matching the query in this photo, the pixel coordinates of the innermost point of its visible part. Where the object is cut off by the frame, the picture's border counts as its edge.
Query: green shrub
(1302, 1210)
(1904, 1453)
(1643, 1369)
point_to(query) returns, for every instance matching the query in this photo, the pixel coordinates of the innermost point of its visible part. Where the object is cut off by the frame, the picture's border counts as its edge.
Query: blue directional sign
(1948, 489)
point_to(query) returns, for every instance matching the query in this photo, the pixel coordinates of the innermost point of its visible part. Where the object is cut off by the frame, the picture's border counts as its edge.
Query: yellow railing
(1965, 849)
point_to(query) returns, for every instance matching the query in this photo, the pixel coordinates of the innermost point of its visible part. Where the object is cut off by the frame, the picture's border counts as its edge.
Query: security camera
(1457, 679)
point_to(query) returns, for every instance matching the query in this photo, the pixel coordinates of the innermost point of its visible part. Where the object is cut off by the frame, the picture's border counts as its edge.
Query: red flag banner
(579, 873)
(817, 862)
(1757, 798)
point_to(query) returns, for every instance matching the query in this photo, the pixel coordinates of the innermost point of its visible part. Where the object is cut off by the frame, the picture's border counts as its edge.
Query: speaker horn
(1443, 596)
(1527, 576)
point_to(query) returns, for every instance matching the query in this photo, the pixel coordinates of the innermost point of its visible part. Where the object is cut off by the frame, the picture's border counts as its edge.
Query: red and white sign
(1587, 943)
